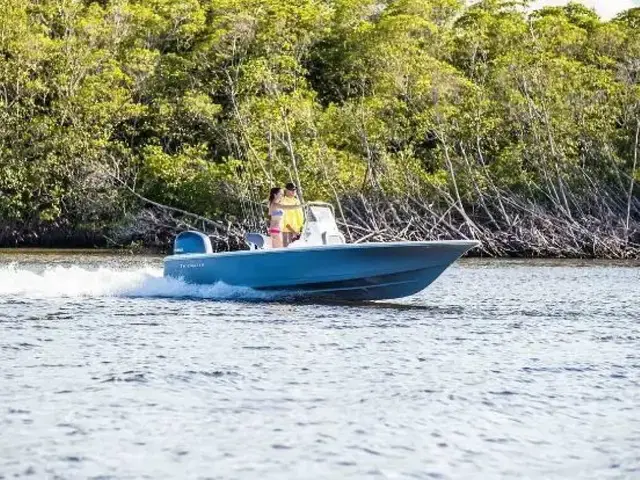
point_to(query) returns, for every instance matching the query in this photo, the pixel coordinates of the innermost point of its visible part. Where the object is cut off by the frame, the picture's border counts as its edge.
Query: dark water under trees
(502, 369)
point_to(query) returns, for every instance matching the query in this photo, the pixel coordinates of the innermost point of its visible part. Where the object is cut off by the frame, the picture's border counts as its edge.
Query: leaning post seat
(191, 242)
(257, 241)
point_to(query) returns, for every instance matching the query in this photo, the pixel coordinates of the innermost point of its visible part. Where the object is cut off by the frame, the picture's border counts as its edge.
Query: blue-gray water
(501, 369)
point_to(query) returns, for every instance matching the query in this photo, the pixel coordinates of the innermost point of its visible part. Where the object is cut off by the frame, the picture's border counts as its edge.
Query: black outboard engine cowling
(191, 242)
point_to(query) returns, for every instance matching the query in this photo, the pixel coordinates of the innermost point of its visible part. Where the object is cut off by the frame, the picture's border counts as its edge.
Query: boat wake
(144, 282)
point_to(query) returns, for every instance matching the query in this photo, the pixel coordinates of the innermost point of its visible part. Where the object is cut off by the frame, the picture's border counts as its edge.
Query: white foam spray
(62, 281)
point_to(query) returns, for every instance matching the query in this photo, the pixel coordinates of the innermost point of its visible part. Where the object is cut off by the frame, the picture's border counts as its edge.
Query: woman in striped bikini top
(276, 212)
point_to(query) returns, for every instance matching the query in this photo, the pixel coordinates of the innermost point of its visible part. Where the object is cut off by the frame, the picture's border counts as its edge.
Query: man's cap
(290, 186)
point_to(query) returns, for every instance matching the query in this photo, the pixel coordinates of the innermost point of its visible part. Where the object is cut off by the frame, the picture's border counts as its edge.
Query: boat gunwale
(313, 248)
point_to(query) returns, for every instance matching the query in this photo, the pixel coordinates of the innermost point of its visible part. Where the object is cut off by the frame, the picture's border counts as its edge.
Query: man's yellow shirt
(294, 218)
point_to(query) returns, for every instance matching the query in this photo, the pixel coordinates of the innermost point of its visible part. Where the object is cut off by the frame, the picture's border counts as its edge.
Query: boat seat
(257, 241)
(332, 238)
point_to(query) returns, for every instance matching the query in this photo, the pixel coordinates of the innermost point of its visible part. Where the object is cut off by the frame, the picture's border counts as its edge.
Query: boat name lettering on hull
(191, 265)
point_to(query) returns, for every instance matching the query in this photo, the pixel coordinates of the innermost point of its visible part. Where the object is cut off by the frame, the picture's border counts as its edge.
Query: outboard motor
(191, 242)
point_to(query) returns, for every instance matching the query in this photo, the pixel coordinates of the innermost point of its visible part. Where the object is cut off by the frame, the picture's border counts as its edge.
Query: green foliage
(204, 106)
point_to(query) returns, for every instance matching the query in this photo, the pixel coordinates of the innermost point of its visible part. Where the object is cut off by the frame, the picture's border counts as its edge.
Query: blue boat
(320, 265)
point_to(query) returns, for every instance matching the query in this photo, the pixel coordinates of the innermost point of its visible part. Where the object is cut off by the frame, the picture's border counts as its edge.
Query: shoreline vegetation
(125, 121)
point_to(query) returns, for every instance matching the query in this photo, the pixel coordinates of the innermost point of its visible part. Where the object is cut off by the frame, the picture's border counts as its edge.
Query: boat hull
(370, 271)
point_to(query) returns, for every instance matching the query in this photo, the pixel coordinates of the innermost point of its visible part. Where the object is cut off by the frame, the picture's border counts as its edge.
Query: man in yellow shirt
(293, 218)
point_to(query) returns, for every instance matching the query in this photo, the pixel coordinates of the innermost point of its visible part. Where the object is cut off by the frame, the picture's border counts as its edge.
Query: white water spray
(147, 282)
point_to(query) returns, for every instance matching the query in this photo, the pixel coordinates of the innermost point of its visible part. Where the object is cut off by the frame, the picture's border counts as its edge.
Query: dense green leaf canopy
(203, 105)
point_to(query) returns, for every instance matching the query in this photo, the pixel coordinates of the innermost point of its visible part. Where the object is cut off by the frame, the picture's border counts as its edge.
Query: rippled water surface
(501, 369)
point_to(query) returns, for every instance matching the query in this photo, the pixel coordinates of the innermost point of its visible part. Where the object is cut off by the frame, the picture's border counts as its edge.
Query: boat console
(320, 228)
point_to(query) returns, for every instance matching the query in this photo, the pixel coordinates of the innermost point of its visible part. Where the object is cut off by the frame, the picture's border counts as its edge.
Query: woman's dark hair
(273, 193)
